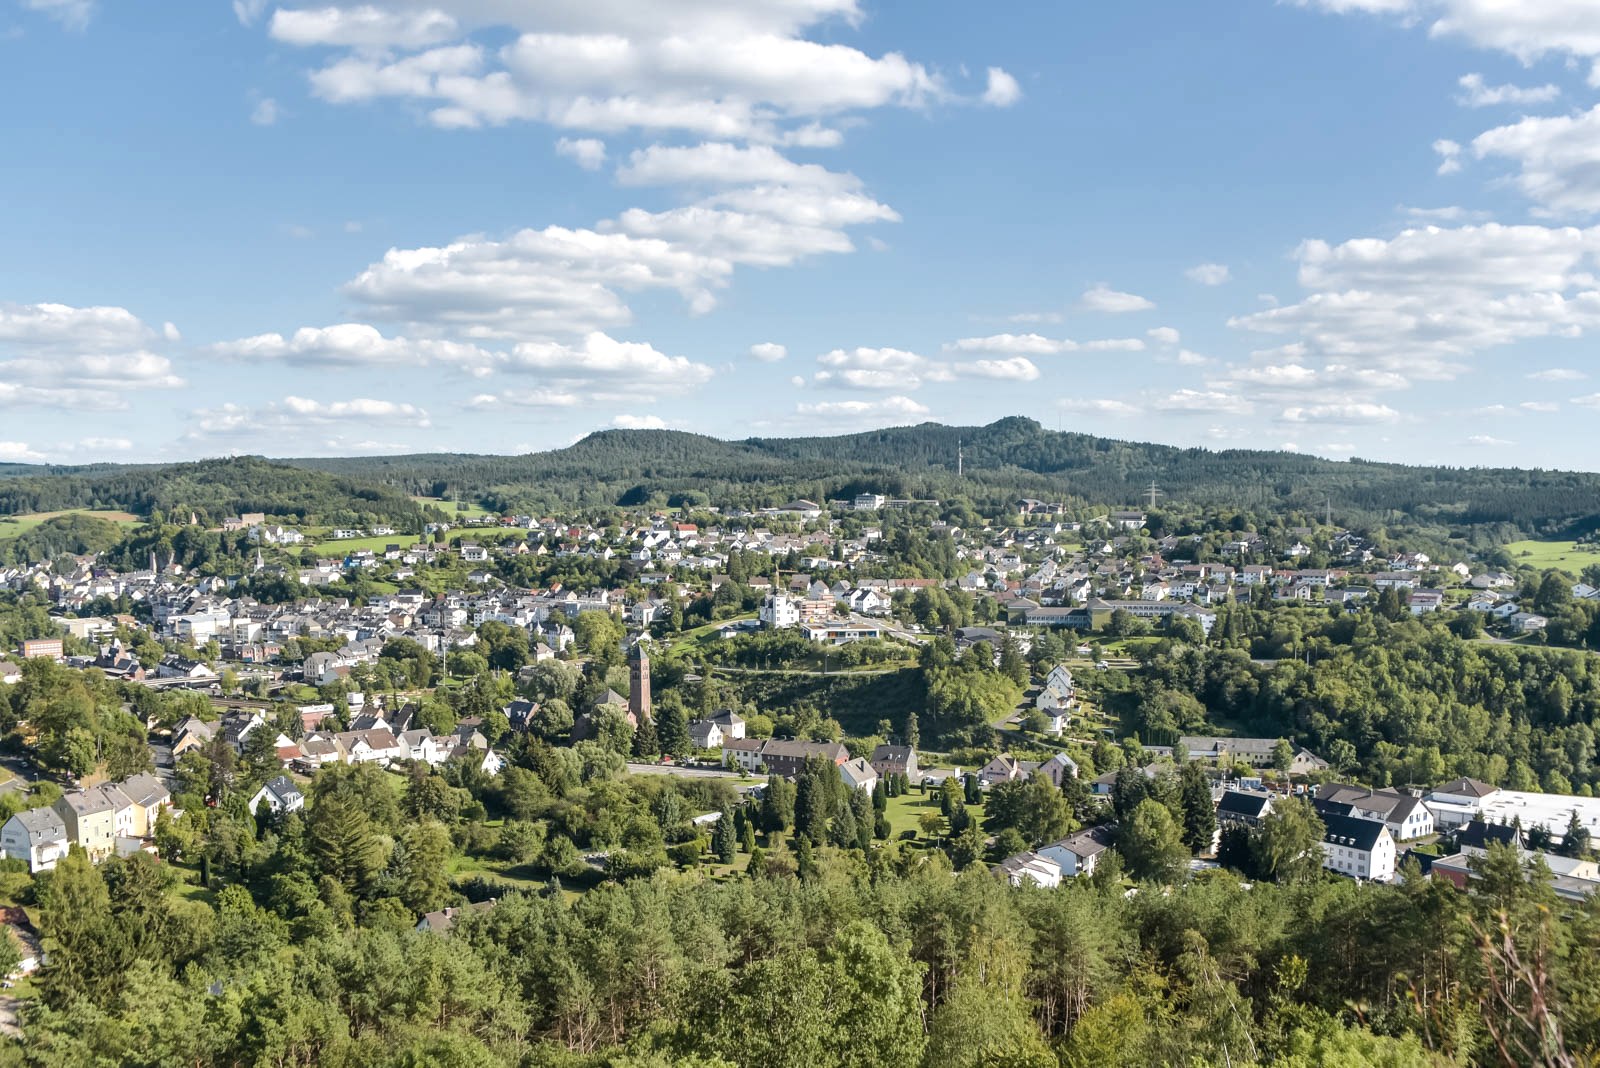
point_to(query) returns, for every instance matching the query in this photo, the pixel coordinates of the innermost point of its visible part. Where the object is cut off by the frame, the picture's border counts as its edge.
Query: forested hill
(1004, 460)
(211, 489)
(1010, 457)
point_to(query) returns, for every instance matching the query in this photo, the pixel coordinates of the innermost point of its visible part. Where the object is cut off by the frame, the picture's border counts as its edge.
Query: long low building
(1463, 800)
(1097, 614)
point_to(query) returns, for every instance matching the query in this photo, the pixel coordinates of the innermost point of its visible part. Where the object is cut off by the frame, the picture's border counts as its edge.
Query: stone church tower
(639, 683)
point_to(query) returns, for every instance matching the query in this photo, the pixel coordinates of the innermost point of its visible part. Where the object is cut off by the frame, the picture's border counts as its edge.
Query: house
(421, 745)
(1359, 848)
(280, 795)
(1459, 801)
(895, 760)
(440, 922)
(90, 817)
(376, 746)
(1246, 807)
(1030, 869)
(47, 647)
(729, 722)
(38, 836)
(859, 774)
(1424, 601)
(191, 733)
(705, 734)
(1405, 815)
(780, 756)
(1077, 853)
(10, 673)
(1058, 692)
(146, 796)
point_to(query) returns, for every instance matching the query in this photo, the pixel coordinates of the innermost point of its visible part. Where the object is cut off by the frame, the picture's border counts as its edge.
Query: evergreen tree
(723, 842)
(1199, 814)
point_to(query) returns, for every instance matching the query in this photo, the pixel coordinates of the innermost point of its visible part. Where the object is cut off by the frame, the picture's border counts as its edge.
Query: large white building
(1361, 849)
(779, 611)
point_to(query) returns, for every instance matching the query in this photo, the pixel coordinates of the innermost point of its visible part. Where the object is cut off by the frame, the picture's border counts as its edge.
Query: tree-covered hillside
(1013, 456)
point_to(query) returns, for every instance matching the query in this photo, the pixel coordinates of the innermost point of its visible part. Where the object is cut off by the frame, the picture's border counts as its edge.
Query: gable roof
(1244, 803)
(1353, 832)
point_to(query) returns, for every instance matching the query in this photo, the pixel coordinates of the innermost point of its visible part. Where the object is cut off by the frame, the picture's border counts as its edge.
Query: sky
(1342, 227)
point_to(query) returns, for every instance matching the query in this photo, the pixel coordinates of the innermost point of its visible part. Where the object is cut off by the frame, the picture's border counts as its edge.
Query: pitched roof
(1466, 788)
(1244, 803)
(1353, 831)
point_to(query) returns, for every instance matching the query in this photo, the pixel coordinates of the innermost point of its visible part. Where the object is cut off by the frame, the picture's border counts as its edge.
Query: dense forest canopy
(1002, 461)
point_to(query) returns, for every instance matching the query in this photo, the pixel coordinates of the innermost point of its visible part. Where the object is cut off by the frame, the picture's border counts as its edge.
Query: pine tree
(1199, 815)
(723, 842)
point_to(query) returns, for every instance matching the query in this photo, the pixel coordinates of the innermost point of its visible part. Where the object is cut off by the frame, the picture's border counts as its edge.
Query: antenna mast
(1154, 491)
(960, 458)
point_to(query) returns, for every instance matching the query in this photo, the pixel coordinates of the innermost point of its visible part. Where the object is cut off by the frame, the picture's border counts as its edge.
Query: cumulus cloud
(1102, 298)
(1558, 374)
(1026, 344)
(1002, 90)
(1557, 159)
(265, 112)
(639, 422)
(524, 398)
(301, 414)
(1486, 441)
(1449, 156)
(768, 352)
(1347, 414)
(872, 412)
(18, 452)
(1099, 406)
(877, 368)
(1164, 335)
(1476, 93)
(355, 345)
(60, 356)
(1590, 401)
(623, 366)
(1209, 274)
(587, 152)
(1527, 29)
(1215, 402)
(1014, 369)
(746, 70)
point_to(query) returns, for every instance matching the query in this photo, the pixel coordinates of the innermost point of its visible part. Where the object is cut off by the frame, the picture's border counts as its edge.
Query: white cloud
(639, 422)
(875, 368)
(716, 68)
(715, 163)
(265, 112)
(1540, 407)
(1188, 358)
(1527, 29)
(1115, 344)
(1035, 317)
(872, 412)
(1028, 344)
(1002, 90)
(1422, 303)
(624, 366)
(524, 398)
(18, 452)
(1558, 374)
(1214, 402)
(248, 11)
(1478, 94)
(1449, 156)
(768, 352)
(1209, 274)
(1102, 298)
(300, 414)
(365, 27)
(73, 14)
(587, 152)
(1590, 401)
(91, 358)
(1164, 335)
(1099, 406)
(355, 345)
(1486, 441)
(101, 445)
(1014, 369)
(1557, 159)
(1346, 414)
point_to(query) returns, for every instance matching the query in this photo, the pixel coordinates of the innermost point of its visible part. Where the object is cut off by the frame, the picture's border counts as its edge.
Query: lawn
(12, 526)
(342, 546)
(907, 810)
(1553, 554)
(471, 511)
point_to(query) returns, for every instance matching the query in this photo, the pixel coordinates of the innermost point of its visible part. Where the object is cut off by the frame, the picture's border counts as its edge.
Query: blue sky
(1340, 226)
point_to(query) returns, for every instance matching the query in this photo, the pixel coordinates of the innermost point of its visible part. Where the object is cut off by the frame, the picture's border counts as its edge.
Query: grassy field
(341, 546)
(469, 512)
(1553, 554)
(13, 525)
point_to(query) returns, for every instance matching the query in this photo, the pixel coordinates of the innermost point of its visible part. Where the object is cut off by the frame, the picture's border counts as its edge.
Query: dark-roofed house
(1247, 807)
(279, 794)
(440, 922)
(1077, 853)
(38, 836)
(895, 760)
(1359, 848)
(1406, 816)
(779, 756)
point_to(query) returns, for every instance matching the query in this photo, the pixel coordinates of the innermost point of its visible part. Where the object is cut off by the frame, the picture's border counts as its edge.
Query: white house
(1034, 868)
(279, 794)
(1077, 853)
(37, 836)
(1359, 848)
